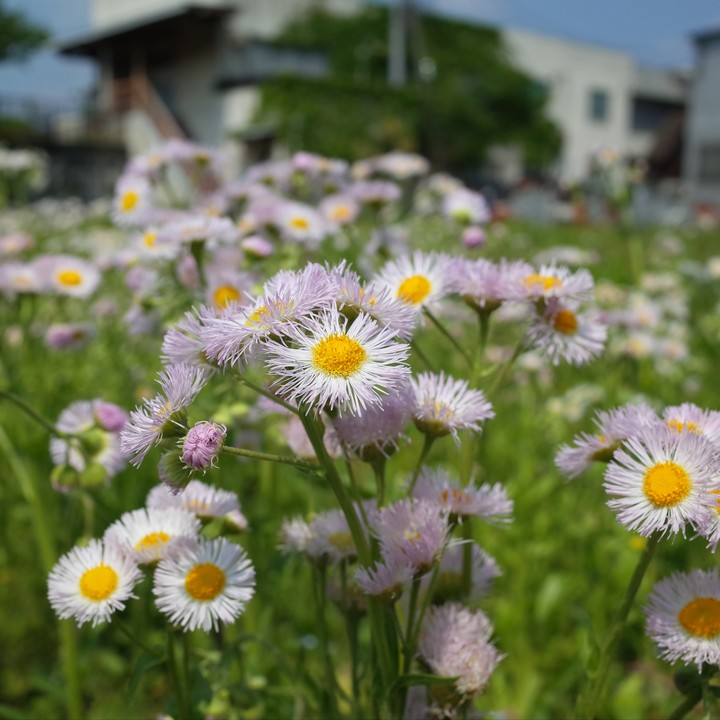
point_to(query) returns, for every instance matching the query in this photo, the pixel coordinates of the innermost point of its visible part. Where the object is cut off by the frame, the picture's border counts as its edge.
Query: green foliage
(18, 37)
(476, 99)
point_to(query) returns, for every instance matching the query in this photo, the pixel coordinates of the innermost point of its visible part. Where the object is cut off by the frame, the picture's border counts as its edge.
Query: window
(599, 105)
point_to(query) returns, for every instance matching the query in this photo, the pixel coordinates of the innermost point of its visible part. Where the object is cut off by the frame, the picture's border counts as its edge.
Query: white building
(702, 136)
(178, 70)
(598, 97)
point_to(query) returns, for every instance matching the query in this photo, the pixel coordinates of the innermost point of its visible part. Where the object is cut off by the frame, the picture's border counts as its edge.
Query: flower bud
(473, 237)
(202, 444)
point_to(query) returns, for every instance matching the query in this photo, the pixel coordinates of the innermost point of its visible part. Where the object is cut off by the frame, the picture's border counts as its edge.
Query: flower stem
(46, 548)
(320, 588)
(688, 703)
(134, 639)
(422, 355)
(445, 332)
(596, 690)
(257, 455)
(429, 440)
(378, 466)
(178, 680)
(20, 403)
(270, 396)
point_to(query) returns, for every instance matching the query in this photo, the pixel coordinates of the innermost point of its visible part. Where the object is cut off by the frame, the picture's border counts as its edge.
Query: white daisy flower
(690, 418)
(148, 535)
(207, 585)
(301, 223)
(180, 385)
(72, 276)
(420, 280)
(444, 405)
(683, 617)
(555, 281)
(90, 583)
(660, 481)
(132, 200)
(331, 365)
(490, 502)
(561, 333)
(205, 501)
(449, 585)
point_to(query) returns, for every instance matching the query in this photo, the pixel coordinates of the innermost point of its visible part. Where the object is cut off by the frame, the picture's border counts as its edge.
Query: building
(176, 70)
(702, 136)
(599, 98)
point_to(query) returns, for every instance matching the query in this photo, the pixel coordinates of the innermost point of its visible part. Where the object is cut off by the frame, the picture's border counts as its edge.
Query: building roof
(89, 44)
(706, 35)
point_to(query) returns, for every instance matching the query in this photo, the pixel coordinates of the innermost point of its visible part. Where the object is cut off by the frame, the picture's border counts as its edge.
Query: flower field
(334, 440)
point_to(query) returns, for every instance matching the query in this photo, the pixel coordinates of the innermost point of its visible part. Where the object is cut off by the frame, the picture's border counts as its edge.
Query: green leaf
(144, 664)
(420, 679)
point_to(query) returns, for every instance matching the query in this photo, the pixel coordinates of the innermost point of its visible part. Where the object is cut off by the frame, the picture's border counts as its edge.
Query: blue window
(599, 105)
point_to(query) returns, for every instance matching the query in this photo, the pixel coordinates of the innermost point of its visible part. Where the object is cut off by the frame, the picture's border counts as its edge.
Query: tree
(18, 37)
(471, 98)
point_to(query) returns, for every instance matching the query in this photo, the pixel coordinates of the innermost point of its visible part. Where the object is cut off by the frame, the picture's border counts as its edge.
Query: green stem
(467, 534)
(46, 547)
(378, 466)
(46, 424)
(427, 444)
(409, 650)
(685, 706)
(596, 690)
(257, 455)
(319, 584)
(422, 355)
(314, 430)
(502, 372)
(266, 393)
(134, 639)
(178, 682)
(446, 333)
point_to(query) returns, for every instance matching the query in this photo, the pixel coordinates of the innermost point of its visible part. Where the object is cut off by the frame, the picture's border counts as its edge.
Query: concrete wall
(571, 71)
(703, 124)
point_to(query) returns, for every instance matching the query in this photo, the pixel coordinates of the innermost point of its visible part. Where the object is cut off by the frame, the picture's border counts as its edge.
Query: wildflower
(473, 237)
(683, 617)
(385, 580)
(455, 642)
(182, 343)
(414, 532)
(375, 193)
(132, 200)
(339, 209)
(377, 431)
(490, 502)
(660, 481)
(301, 223)
(90, 583)
(71, 336)
(690, 418)
(71, 276)
(484, 285)
(257, 247)
(449, 584)
(613, 427)
(18, 278)
(198, 229)
(420, 280)
(205, 586)
(555, 281)
(148, 535)
(444, 405)
(162, 414)
(401, 165)
(466, 207)
(205, 501)
(564, 334)
(296, 535)
(330, 537)
(91, 443)
(332, 366)
(202, 444)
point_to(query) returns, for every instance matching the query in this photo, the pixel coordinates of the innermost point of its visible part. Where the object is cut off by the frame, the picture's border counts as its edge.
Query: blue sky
(655, 32)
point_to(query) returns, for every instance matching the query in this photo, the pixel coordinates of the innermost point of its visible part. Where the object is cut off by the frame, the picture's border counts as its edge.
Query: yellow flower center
(98, 583)
(341, 212)
(666, 484)
(566, 322)
(701, 617)
(129, 200)
(414, 290)
(679, 425)
(199, 507)
(342, 541)
(339, 355)
(224, 295)
(152, 541)
(299, 223)
(412, 535)
(204, 582)
(69, 277)
(454, 495)
(149, 238)
(542, 282)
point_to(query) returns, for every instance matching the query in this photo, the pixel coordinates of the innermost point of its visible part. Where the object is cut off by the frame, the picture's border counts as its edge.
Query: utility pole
(398, 15)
